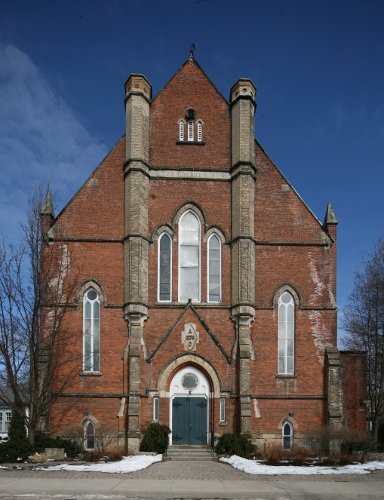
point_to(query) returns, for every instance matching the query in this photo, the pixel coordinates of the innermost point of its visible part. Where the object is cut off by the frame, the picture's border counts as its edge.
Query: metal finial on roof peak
(191, 56)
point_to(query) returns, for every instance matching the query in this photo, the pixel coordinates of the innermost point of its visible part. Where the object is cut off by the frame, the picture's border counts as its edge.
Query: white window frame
(199, 258)
(156, 409)
(290, 435)
(181, 130)
(92, 333)
(285, 339)
(191, 130)
(223, 411)
(166, 235)
(199, 131)
(220, 274)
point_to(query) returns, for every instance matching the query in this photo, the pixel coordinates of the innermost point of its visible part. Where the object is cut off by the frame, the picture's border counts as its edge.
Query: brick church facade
(206, 296)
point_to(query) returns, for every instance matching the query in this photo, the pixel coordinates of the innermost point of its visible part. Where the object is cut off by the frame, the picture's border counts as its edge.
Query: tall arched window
(214, 269)
(287, 436)
(286, 334)
(200, 131)
(164, 287)
(189, 257)
(89, 435)
(191, 131)
(91, 331)
(181, 131)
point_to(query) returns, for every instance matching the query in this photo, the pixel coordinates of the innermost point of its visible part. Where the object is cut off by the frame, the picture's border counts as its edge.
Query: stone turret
(330, 222)
(47, 214)
(243, 173)
(137, 102)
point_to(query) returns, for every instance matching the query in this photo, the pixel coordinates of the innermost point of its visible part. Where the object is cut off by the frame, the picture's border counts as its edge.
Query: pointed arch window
(181, 131)
(199, 131)
(214, 269)
(286, 334)
(89, 435)
(189, 257)
(91, 331)
(287, 436)
(191, 131)
(164, 269)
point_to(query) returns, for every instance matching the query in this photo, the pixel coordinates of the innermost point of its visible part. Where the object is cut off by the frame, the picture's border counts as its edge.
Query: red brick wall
(190, 88)
(354, 392)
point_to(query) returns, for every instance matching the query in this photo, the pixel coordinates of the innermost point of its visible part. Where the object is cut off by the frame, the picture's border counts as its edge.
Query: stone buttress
(137, 102)
(243, 176)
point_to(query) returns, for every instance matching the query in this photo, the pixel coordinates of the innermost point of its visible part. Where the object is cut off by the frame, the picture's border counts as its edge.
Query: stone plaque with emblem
(190, 337)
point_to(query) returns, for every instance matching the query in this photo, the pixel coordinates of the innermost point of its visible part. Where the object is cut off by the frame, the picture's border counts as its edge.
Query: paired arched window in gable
(189, 257)
(214, 269)
(165, 268)
(286, 334)
(91, 331)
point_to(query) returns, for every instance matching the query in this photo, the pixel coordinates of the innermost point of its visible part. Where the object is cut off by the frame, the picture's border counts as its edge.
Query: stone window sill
(193, 143)
(91, 374)
(222, 424)
(285, 376)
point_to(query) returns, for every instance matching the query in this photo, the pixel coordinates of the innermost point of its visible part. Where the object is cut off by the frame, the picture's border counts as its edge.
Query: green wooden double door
(189, 421)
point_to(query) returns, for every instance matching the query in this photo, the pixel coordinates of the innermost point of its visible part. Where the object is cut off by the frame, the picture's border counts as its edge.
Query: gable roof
(197, 65)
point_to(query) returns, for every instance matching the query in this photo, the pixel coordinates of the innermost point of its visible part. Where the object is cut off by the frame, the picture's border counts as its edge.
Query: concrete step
(187, 453)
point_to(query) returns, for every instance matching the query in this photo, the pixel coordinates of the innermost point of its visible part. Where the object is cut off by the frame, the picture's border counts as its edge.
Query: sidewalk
(121, 487)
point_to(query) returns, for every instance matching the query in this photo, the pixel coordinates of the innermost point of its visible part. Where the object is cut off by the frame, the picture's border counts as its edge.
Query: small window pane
(189, 256)
(199, 131)
(156, 408)
(87, 311)
(190, 130)
(181, 131)
(222, 410)
(286, 298)
(92, 295)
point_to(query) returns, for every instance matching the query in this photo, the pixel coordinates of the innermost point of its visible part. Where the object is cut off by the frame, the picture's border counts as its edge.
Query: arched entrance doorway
(189, 407)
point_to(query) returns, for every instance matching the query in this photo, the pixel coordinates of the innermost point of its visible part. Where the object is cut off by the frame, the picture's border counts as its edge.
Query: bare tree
(364, 324)
(36, 286)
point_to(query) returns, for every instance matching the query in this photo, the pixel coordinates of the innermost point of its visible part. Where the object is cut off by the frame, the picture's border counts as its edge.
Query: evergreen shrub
(155, 438)
(235, 444)
(11, 451)
(16, 430)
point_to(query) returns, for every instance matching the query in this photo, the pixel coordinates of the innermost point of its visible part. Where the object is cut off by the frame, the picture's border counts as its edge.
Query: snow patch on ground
(127, 464)
(257, 467)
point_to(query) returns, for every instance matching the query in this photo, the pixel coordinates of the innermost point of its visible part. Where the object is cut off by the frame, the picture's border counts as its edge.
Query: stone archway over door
(189, 408)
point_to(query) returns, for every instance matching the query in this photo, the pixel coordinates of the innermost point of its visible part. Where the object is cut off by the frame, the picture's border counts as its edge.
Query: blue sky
(318, 67)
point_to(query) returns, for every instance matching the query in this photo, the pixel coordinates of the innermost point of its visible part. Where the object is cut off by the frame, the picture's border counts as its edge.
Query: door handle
(190, 427)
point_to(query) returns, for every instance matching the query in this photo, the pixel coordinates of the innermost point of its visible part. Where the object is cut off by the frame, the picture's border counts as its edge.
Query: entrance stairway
(188, 453)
